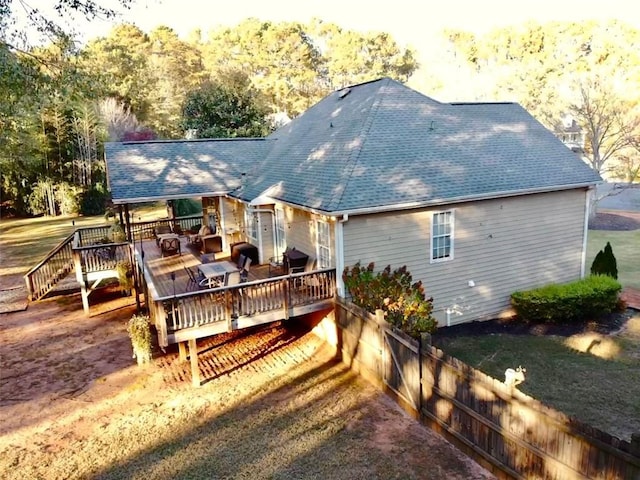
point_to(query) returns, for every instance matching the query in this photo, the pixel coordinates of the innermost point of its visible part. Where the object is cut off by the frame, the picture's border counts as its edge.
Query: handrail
(226, 304)
(51, 269)
(52, 252)
(244, 284)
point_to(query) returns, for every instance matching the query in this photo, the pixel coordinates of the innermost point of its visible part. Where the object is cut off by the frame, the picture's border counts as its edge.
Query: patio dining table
(215, 272)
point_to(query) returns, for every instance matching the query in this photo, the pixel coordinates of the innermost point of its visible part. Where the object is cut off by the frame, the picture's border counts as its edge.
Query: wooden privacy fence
(507, 431)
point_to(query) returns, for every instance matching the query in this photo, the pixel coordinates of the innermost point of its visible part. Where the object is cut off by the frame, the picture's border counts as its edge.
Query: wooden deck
(161, 268)
(182, 314)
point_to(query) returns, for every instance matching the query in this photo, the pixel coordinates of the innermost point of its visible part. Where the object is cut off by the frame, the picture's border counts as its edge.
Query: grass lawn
(25, 241)
(601, 388)
(626, 248)
(602, 391)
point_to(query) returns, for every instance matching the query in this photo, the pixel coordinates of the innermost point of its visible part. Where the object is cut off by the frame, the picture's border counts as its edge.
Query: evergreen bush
(605, 263)
(404, 302)
(571, 302)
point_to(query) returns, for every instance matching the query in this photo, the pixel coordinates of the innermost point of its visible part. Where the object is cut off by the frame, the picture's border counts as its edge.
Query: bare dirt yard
(275, 404)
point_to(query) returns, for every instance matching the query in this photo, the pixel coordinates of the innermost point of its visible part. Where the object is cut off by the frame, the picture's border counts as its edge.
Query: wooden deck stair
(51, 270)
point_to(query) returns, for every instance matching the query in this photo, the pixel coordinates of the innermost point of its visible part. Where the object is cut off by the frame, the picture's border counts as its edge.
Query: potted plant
(140, 334)
(116, 233)
(125, 276)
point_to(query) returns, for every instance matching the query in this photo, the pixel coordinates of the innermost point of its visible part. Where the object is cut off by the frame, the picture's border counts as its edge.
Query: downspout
(585, 232)
(340, 290)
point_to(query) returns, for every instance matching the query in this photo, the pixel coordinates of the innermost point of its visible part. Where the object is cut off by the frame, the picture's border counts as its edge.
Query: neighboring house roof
(150, 170)
(381, 145)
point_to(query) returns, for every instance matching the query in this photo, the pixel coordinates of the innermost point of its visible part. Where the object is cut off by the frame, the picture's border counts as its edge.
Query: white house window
(442, 236)
(323, 244)
(251, 226)
(281, 236)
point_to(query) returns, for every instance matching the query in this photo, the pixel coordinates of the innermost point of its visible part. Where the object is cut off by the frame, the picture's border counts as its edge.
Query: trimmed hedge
(571, 302)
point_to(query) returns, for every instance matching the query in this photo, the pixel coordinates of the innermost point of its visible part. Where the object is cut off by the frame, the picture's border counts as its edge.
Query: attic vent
(344, 92)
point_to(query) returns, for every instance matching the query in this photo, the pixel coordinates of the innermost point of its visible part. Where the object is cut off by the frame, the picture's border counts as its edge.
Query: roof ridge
(366, 126)
(455, 104)
(191, 140)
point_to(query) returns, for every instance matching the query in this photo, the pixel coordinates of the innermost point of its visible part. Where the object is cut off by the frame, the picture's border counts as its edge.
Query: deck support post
(84, 293)
(182, 352)
(195, 371)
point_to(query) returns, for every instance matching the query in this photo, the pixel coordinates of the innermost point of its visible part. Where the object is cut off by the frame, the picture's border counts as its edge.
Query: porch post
(128, 222)
(195, 371)
(182, 351)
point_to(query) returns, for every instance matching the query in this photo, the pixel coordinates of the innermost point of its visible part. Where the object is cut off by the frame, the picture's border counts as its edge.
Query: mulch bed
(605, 325)
(622, 221)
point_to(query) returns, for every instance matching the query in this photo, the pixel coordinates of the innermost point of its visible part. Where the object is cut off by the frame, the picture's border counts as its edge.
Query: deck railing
(146, 230)
(270, 298)
(94, 253)
(51, 269)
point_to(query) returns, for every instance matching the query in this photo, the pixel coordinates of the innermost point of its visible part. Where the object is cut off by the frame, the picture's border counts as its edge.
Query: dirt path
(276, 405)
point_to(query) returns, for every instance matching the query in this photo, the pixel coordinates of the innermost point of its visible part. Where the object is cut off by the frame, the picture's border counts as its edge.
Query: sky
(413, 23)
(409, 21)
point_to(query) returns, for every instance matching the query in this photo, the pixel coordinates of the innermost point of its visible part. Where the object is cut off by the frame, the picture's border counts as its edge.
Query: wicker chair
(170, 246)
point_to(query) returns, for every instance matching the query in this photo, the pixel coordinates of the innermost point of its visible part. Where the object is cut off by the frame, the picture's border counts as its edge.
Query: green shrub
(404, 303)
(605, 263)
(139, 332)
(571, 302)
(94, 201)
(186, 206)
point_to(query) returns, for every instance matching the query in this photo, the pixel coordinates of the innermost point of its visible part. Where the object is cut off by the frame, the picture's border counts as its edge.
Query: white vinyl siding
(501, 245)
(442, 226)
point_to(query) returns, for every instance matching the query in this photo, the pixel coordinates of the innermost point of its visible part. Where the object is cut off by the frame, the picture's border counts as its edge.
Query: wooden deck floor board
(161, 268)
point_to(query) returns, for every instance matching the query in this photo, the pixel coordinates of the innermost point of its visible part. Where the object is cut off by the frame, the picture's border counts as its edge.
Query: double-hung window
(251, 226)
(323, 244)
(442, 236)
(281, 236)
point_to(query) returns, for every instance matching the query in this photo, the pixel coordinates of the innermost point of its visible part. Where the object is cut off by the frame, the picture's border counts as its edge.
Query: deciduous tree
(226, 109)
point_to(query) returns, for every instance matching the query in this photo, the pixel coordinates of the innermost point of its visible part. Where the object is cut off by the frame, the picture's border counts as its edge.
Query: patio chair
(196, 280)
(196, 238)
(211, 244)
(244, 273)
(232, 278)
(241, 261)
(170, 246)
(159, 230)
(276, 263)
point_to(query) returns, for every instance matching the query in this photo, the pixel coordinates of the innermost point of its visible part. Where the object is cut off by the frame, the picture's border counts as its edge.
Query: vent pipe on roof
(343, 93)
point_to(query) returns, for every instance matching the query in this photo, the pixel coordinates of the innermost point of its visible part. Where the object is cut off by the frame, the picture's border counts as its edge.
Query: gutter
(168, 197)
(448, 201)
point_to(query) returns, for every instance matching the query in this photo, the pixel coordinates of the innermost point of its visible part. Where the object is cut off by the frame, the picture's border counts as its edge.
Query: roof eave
(168, 197)
(461, 199)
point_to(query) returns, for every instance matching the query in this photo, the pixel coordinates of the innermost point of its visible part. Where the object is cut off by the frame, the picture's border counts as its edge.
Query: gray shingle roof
(381, 145)
(184, 168)
(384, 144)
